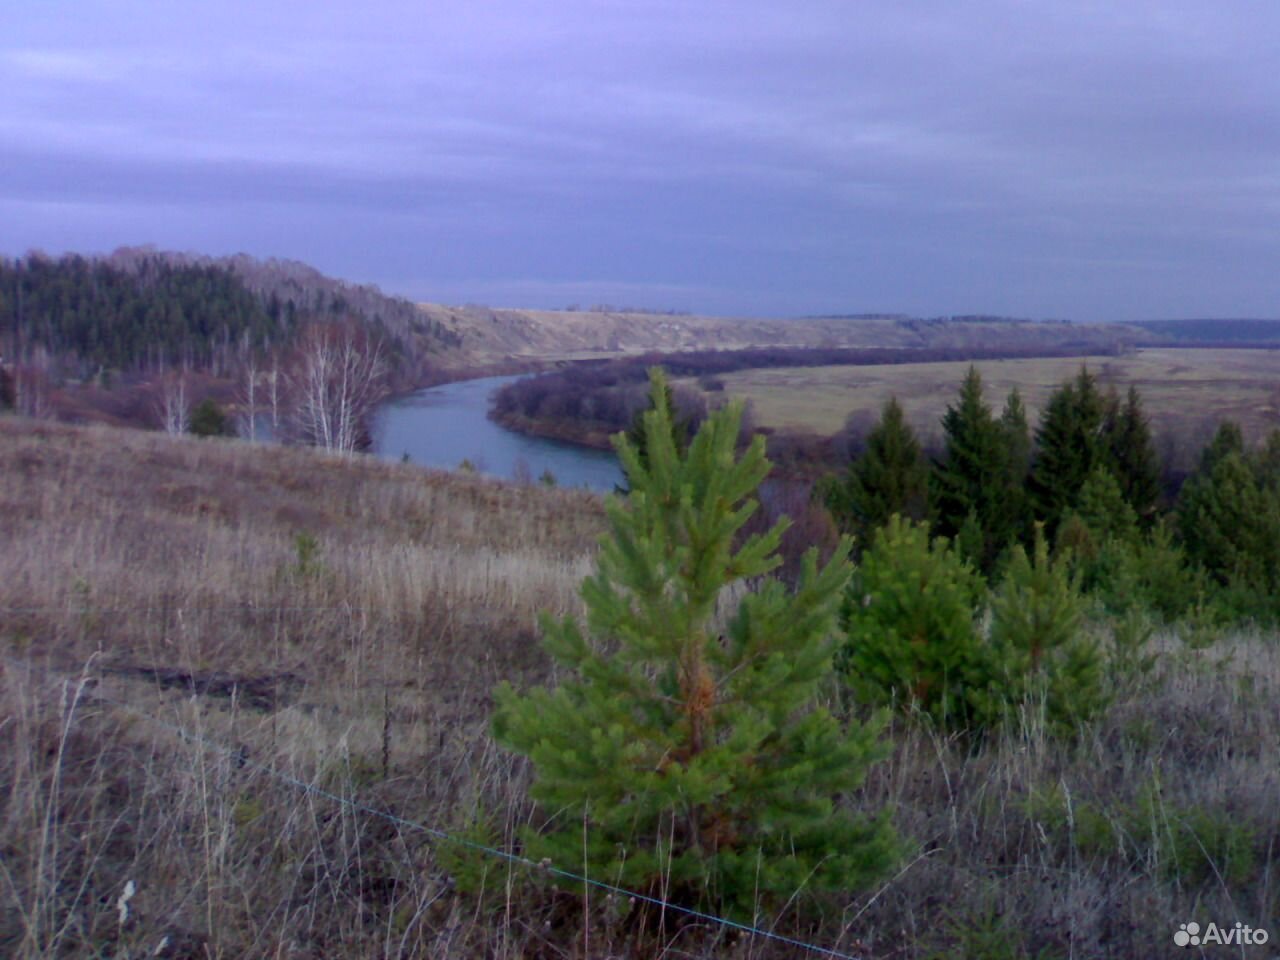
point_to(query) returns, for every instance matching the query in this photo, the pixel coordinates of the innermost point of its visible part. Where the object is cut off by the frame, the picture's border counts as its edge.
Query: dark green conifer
(1133, 458)
(969, 479)
(1012, 518)
(208, 420)
(1069, 444)
(685, 753)
(1227, 439)
(889, 477)
(1229, 522)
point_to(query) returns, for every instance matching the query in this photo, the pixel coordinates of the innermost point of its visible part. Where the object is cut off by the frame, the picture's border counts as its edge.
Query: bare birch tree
(173, 406)
(249, 375)
(273, 398)
(337, 379)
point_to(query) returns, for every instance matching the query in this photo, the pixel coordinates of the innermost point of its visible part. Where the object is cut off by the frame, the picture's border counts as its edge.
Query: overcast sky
(1046, 158)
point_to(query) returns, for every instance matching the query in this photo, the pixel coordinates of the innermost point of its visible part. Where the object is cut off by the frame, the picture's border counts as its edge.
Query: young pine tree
(679, 428)
(909, 616)
(682, 754)
(1036, 638)
(890, 477)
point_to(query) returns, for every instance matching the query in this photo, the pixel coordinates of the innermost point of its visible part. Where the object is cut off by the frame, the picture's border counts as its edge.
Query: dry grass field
(342, 622)
(1185, 390)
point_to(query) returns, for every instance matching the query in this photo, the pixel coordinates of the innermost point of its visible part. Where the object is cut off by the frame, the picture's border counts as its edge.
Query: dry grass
(1183, 390)
(345, 621)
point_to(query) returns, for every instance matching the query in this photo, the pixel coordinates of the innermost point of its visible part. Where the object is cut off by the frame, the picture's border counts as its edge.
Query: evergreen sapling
(686, 753)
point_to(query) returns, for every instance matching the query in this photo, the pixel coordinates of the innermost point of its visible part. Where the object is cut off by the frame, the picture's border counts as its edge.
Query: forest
(139, 312)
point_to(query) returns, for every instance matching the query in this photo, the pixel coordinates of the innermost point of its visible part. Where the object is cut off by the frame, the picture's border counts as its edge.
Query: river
(443, 426)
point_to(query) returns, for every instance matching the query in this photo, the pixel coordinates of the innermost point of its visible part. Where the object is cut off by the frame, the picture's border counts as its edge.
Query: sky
(1063, 159)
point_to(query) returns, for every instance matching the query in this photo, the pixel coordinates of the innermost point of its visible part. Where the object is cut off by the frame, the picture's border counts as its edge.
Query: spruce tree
(684, 754)
(889, 477)
(968, 480)
(1012, 518)
(1069, 444)
(1133, 457)
(1103, 508)
(1229, 519)
(1227, 439)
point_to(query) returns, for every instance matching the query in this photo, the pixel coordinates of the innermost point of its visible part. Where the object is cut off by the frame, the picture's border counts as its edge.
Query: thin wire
(243, 760)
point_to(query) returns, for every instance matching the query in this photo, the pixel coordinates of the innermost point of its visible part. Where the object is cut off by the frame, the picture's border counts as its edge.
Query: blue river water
(443, 426)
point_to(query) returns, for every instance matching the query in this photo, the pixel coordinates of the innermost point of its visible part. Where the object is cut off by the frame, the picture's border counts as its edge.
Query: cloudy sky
(1047, 158)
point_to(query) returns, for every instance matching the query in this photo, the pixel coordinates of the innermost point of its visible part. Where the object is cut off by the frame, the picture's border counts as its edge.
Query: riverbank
(563, 432)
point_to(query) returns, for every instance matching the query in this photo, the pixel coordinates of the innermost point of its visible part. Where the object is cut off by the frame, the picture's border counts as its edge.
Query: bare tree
(173, 405)
(249, 398)
(273, 397)
(30, 388)
(29, 383)
(335, 382)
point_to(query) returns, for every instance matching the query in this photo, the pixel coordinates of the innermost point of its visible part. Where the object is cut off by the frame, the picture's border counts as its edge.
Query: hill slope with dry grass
(496, 336)
(342, 622)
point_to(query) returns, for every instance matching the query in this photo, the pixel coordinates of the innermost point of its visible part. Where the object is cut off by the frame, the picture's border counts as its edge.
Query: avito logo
(1189, 935)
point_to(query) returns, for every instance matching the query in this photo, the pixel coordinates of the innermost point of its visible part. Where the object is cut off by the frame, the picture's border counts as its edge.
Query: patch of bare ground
(341, 623)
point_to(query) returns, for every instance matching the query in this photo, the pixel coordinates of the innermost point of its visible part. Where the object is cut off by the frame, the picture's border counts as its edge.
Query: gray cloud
(1088, 159)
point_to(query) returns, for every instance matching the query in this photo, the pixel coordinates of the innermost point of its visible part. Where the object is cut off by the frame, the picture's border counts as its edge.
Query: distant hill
(508, 335)
(1226, 332)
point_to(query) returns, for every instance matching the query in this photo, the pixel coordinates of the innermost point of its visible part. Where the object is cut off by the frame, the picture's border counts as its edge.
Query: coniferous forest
(138, 312)
(95, 315)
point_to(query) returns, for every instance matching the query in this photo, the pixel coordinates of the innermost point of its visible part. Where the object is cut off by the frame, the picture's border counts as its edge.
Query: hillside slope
(509, 335)
(221, 664)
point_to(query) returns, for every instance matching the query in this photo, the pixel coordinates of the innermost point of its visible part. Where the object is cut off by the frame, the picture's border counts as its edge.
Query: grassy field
(344, 621)
(1185, 391)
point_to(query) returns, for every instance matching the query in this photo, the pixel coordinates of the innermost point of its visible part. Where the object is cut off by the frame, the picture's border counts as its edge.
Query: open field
(1185, 391)
(343, 622)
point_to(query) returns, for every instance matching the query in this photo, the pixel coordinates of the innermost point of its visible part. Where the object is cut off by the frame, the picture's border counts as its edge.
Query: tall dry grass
(342, 624)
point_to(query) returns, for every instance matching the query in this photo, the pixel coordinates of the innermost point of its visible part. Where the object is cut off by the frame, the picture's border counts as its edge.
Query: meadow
(341, 622)
(1185, 391)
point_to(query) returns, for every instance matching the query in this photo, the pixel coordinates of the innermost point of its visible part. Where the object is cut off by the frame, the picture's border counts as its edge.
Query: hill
(515, 336)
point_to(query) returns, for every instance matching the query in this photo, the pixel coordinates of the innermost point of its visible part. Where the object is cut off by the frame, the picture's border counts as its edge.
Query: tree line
(1090, 479)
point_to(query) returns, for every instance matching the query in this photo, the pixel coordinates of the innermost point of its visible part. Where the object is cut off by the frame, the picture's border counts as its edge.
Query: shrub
(208, 420)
